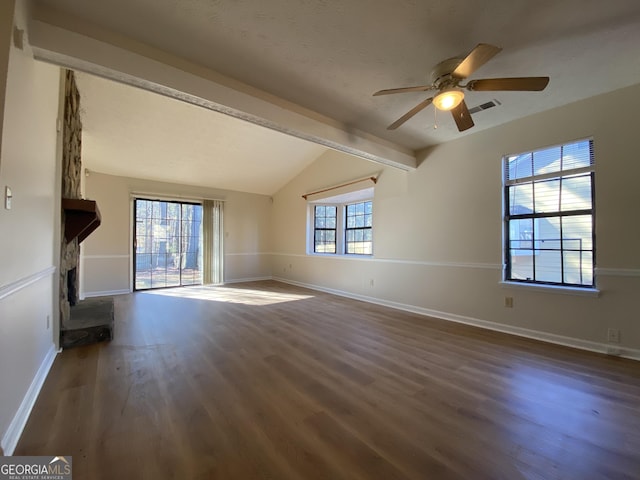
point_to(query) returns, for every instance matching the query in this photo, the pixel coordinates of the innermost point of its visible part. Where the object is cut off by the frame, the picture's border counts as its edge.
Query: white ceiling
(131, 132)
(329, 56)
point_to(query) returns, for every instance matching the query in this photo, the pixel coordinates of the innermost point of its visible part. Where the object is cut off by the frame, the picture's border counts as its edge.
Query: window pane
(358, 224)
(156, 213)
(521, 236)
(577, 155)
(578, 268)
(368, 220)
(547, 233)
(141, 208)
(547, 196)
(173, 211)
(521, 199)
(547, 161)
(548, 266)
(522, 265)
(324, 229)
(520, 166)
(368, 207)
(576, 193)
(577, 232)
(587, 268)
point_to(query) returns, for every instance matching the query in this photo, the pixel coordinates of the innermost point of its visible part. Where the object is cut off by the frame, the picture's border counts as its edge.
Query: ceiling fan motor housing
(441, 73)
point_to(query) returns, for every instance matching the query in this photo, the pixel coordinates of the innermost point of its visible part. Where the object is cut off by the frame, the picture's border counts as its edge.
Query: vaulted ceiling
(329, 56)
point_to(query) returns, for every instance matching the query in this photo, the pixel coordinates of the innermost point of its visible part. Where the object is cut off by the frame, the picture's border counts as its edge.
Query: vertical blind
(213, 235)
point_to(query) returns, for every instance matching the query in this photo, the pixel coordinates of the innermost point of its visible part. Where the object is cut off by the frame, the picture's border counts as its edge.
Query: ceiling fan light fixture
(448, 99)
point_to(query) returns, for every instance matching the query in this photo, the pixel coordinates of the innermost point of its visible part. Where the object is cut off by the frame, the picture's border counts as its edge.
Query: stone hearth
(91, 322)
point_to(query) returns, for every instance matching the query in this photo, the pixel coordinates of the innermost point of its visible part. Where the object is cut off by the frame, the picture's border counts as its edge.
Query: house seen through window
(549, 216)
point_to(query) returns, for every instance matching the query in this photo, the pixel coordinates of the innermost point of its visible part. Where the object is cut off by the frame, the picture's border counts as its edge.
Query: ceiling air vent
(485, 106)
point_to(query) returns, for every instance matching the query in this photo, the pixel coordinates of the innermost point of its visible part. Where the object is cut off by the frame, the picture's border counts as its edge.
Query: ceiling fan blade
(421, 88)
(522, 84)
(421, 106)
(462, 117)
(478, 57)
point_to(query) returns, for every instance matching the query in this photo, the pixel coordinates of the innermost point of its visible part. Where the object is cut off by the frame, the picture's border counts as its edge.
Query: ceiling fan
(447, 76)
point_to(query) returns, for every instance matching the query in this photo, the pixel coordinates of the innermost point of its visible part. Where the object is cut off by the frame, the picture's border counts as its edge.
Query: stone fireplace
(71, 178)
(91, 320)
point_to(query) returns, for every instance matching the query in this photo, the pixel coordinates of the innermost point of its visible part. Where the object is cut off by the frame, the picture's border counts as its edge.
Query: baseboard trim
(248, 279)
(18, 285)
(13, 433)
(588, 345)
(105, 293)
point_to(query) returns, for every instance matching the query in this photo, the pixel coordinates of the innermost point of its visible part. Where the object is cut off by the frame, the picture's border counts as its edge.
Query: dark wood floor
(269, 381)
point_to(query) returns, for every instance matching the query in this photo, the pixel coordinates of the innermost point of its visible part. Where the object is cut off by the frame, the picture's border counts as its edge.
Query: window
(345, 228)
(549, 217)
(324, 235)
(359, 239)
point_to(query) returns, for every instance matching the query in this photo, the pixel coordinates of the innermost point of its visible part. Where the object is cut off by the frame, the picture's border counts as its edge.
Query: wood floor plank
(271, 381)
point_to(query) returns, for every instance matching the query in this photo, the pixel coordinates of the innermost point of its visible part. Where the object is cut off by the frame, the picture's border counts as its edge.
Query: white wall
(6, 25)
(438, 230)
(106, 264)
(29, 233)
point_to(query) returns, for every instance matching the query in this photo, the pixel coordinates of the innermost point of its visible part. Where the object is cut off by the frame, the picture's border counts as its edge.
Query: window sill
(555, 289)
(349, 256)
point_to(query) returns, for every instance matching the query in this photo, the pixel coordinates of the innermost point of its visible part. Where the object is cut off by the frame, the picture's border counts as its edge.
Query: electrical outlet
(508, 302)
(613, 335)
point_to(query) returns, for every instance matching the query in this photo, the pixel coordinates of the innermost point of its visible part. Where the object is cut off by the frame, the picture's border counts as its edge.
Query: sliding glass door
(167, 244)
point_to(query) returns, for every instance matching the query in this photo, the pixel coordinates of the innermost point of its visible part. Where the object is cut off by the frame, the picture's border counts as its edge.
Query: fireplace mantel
(81, 218)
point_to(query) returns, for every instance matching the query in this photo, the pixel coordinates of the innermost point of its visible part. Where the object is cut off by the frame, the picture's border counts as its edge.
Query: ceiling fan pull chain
(435, 118)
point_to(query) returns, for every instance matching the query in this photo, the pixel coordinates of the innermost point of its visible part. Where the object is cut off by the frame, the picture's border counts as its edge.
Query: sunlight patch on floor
(231, 295)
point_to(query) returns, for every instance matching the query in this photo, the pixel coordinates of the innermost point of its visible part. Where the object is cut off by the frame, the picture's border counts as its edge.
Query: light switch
(7, 198)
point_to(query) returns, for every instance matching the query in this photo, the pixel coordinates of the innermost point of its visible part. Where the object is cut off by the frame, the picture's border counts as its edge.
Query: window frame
(356, 229)
(560, 214)
(180, 238)
(341, 227)
(317, 229)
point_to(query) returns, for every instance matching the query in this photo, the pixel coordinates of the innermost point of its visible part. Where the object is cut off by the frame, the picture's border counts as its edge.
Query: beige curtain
(212, 235)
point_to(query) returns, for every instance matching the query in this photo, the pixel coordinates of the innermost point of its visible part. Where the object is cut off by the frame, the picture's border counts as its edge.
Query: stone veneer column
(71, 178)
